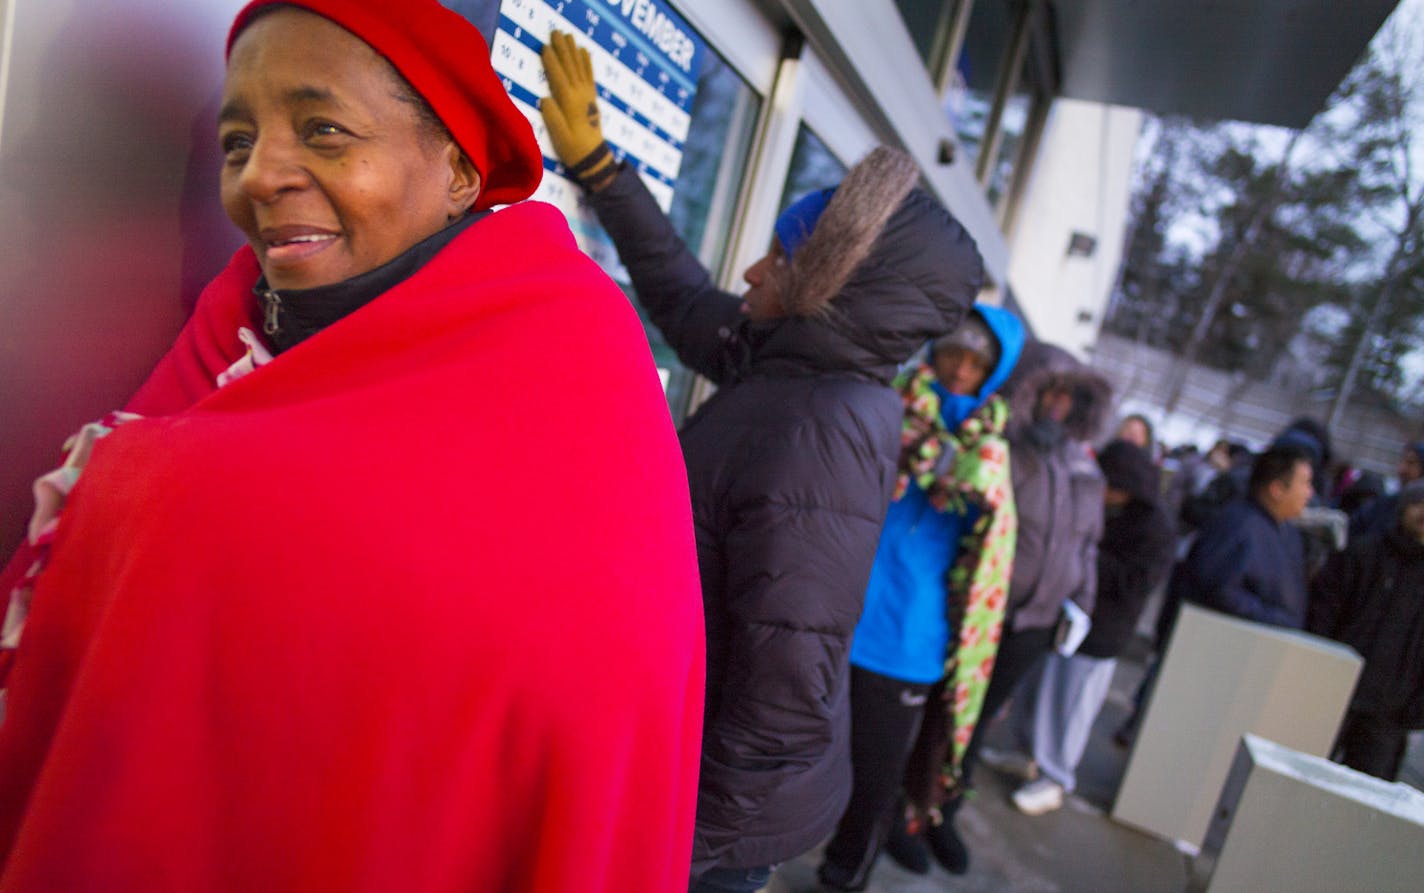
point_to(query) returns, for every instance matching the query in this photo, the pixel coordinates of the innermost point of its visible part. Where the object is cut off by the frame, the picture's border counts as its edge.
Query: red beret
(446, 60)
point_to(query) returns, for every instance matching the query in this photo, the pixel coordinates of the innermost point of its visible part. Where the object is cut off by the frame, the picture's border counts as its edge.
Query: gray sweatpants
(1054, 714)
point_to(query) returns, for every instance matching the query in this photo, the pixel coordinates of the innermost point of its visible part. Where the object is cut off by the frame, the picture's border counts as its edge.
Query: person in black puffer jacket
(791, 464)
(1371, 597)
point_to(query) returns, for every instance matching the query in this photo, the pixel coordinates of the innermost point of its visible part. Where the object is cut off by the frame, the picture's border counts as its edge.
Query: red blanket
(414, 607)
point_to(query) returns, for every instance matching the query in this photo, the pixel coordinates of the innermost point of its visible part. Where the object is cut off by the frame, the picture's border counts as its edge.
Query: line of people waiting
(1263, 542)
(257, 650)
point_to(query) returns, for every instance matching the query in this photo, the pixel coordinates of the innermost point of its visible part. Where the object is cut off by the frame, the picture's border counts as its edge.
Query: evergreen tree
(1334, 219)
(1376, 117)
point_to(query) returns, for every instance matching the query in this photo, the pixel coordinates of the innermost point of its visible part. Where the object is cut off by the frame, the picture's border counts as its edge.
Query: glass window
(812, 167)
(713, 162)
(1013, 127)
(969, 95)
(714, 159)
(1023, 114)
(928, 22)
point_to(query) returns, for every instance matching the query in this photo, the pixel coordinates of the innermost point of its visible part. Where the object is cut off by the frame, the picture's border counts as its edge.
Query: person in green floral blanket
(925, 645)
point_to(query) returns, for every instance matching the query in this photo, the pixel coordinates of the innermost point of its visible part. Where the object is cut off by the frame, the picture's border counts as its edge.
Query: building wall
(1080, 183)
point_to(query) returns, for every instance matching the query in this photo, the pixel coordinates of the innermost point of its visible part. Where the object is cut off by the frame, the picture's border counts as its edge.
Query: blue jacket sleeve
(700, 321)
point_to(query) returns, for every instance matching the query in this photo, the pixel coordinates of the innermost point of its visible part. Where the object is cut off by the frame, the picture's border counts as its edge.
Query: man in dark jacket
(1058, 407)
(1371, 597)
(1233, 483)
(791, 464)
(1249, 561)
(1055, 719)
(1245, 560)
(1379, 516)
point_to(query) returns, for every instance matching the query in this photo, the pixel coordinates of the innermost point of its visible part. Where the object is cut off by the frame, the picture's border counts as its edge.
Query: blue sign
(646, 61)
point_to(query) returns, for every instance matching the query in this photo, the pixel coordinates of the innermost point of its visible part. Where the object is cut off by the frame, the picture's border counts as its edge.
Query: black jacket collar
(294, 315)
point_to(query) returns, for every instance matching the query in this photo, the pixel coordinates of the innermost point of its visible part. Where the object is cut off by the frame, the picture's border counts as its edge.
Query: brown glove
(571, 112)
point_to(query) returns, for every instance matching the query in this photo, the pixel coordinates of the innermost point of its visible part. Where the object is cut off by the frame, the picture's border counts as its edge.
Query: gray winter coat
(1058, 488)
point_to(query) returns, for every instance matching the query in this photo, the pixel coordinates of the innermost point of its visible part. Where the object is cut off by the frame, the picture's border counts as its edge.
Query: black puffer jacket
(791, 466)
(1134, 554)
(1371, 597)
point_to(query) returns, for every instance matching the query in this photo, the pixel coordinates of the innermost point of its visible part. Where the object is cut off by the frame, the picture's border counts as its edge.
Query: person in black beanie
(1054, 719)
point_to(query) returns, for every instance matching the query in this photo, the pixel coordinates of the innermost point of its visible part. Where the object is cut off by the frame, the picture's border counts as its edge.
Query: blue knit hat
(794, 225)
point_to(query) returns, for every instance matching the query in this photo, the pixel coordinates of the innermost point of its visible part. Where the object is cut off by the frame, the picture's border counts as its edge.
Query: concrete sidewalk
(1076, 849)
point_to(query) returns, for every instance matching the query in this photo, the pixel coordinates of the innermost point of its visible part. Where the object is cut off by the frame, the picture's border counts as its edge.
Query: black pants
(1372, 744)
(885, 719)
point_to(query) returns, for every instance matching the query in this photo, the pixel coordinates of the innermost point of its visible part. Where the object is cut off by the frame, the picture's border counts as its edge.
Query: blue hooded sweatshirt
(903, 631)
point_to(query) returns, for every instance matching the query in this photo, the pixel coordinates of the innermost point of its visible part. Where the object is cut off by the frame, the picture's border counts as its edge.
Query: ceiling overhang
(1269, 62)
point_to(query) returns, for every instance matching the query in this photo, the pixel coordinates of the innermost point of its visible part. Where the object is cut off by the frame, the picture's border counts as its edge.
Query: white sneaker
(1009, 762)
(1038, 797)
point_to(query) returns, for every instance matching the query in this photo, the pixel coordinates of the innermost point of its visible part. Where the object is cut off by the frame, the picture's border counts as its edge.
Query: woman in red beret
(355, 596)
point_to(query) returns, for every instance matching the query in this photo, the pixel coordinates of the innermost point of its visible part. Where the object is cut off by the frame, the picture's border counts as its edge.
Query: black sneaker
(837, 879)
(949, 850)
(908, 850)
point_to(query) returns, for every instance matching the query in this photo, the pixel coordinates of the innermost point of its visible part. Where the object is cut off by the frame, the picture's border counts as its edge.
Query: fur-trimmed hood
(868, 289)
(1043, 365)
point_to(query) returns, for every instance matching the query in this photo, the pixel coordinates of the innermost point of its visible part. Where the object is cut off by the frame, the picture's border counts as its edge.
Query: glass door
(714, 165)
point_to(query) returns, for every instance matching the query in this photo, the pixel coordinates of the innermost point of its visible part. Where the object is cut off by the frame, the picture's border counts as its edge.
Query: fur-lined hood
(1043, 365)
(868, 288)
